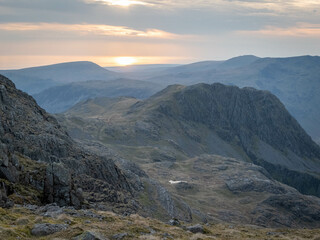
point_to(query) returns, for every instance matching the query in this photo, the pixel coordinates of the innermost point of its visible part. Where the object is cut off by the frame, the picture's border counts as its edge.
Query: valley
(137, 151)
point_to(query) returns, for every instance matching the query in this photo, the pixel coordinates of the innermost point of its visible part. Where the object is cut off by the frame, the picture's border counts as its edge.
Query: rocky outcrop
(296, 211)
(37, 153)
(252, 121)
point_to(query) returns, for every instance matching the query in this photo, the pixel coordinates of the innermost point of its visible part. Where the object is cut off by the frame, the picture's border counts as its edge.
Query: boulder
(44, 229)
(196, 229)
(90, 235)
(174, 222)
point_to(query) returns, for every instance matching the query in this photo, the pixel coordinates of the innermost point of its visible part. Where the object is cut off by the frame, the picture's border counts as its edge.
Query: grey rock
(247, 184)
(222, 168)
(184, 186)
(196, 229)
(166, 236)
(119, 236)
(90, 235)
(174, 222)
(45, 229)
(50, 210)
(182, 212)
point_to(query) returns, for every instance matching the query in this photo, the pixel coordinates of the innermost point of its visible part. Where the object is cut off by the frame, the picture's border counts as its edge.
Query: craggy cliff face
(39, 162)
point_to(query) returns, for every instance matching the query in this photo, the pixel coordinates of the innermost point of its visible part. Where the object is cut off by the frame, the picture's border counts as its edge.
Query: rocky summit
(40, 163)
(227, 153)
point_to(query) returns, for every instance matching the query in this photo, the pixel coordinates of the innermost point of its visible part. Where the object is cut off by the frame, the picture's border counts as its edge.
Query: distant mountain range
(35, 79)
(60, 98)
(295, 81)
(224, 144)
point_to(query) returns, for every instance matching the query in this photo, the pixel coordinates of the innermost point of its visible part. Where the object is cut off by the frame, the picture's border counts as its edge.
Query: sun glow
(122, 3)
(125, 61)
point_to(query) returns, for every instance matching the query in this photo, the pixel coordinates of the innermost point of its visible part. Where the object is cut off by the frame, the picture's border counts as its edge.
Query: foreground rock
(45, 229)
(135, 226)
(119, 236)
(35, 152)
(196, 229)
(90, 235)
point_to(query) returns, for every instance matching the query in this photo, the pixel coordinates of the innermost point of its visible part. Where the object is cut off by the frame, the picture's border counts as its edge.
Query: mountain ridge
(35, 79)
(190, 135)
(293, 80)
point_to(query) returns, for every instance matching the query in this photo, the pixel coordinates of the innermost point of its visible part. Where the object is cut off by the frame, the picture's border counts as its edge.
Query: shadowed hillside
(209, 139)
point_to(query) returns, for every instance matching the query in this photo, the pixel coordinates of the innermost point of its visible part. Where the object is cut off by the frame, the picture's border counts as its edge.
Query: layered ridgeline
(34, 80)
(295, 81)
(60, 98)
(208, 140)
(40, 163)
(58, 87)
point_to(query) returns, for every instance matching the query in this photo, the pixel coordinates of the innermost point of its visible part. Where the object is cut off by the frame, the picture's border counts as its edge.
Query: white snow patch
(175, 182)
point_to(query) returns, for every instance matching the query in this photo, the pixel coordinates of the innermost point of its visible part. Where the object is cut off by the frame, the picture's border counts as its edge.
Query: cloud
(123, 3)
(301, 30)
(88, 29)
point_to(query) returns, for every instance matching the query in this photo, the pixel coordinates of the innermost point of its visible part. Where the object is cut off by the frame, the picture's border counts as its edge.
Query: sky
(119, 32)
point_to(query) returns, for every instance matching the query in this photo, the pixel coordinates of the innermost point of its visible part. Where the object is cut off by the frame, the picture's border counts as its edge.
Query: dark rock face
(245, 113)
(35, 151)
(255, 121)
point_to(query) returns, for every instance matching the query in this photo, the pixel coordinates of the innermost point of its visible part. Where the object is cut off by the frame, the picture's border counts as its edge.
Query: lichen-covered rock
(45, 229)
(90, 235)
(196, 228)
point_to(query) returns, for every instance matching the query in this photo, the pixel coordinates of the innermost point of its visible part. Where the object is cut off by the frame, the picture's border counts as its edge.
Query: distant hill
(211, 138)
(142, 72)
(141, 67)
(60, 98)
(35, 79)
(295, 81)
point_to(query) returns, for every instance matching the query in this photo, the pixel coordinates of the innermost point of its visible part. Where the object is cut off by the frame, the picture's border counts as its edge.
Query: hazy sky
(39, 32)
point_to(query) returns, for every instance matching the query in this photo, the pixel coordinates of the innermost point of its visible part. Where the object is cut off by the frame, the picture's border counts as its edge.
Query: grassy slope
(17, 223)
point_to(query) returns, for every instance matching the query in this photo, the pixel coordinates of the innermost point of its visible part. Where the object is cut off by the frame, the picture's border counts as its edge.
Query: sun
(125, 61)
(124, 3)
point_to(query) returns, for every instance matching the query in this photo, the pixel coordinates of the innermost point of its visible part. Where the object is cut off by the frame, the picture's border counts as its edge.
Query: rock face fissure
(39, 162)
